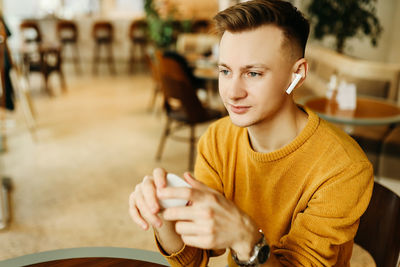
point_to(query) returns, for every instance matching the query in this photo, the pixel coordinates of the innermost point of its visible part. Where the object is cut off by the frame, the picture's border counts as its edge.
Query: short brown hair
(253, 14)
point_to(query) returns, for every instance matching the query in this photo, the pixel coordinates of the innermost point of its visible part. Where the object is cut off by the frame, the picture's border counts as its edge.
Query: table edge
(86, 252)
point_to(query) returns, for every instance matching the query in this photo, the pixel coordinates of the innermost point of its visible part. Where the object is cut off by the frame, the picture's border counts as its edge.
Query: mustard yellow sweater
(307, 196)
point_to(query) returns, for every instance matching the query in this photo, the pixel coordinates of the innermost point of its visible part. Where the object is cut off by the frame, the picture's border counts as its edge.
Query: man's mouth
(239, 109)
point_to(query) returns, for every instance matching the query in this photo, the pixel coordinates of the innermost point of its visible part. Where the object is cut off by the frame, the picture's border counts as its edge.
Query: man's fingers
(191, 194)
(145, 211)
(135, 214)
(201, 228)
(177, 192)
(149, 193)
(188, 213)
(159, 175)
(137, 218)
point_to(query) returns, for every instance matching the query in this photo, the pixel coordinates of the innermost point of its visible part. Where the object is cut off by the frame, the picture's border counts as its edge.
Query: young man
(271, 176)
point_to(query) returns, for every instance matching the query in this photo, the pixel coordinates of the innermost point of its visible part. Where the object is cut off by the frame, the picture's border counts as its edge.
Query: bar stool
(103, 32)
(67, 33)
(30, 32)
(138, 37)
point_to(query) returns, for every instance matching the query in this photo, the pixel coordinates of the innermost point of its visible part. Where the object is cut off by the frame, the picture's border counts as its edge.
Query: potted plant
(344, 19)
(163, 28)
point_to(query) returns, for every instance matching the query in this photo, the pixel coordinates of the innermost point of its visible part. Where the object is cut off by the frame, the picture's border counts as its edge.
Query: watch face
(263, 254)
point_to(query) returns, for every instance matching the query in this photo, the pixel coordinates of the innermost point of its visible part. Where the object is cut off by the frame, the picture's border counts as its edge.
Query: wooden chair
(181, 103)
(103, 35)
(138, 37)
(46, 61)
(154, 70)
(67, 33)
(389, 155)
(379, 230)
(201, 26)
(177, 29)
(40, 57)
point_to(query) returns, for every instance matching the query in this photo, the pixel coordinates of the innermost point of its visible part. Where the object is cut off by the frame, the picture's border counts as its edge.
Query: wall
(388, 12)
(394, 51)
(362, 48)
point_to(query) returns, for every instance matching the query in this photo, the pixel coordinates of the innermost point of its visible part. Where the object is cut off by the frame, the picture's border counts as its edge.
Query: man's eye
(224, 72)
(253, 74)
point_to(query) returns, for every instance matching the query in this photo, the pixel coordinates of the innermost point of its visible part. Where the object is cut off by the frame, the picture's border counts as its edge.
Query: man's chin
(241, 121)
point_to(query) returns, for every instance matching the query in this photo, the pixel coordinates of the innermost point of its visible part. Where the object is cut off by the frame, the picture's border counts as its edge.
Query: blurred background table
(369, 111)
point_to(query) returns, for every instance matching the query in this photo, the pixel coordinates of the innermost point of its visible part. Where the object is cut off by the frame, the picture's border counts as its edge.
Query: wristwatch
(259, 255)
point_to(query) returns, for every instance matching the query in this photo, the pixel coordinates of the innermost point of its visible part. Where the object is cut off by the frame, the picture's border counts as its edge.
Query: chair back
(180, 96)
(138, 31)
(103, 31)
(30, 32)
(379, 230)
(67, 31)
(201, 26)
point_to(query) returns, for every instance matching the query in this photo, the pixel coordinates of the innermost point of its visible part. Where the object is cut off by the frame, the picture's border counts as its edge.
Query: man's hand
(210, 221)
(144, 209)
(143, 202)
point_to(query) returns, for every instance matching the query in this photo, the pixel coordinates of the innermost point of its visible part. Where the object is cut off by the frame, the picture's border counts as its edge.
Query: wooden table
(96, 262)
(90, 257)
(368, 112)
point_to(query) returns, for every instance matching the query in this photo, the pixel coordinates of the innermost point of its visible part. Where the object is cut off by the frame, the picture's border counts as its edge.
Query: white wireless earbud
(294, 83)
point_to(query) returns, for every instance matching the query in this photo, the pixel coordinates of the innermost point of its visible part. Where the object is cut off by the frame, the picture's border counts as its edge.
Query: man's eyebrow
(250, 66)
(223, 65)
(258, 65)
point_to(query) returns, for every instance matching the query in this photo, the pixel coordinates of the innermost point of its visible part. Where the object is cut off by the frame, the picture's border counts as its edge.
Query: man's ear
(299, 74)
(301, 67)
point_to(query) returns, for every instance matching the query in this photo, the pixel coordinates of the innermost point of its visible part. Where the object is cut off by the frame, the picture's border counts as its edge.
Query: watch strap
(254, 258)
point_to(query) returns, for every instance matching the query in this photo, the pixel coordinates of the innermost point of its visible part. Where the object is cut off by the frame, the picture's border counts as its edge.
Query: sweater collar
(305, 134)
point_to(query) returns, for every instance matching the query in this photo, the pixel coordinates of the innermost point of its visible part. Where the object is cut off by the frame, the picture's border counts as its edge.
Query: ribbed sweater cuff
(182, 257)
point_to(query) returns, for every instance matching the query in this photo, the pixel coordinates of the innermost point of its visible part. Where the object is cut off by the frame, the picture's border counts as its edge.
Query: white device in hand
(174, 180)
(293, 83)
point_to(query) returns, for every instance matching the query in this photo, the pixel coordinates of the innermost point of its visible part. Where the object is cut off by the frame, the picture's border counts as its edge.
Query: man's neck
(274, 134)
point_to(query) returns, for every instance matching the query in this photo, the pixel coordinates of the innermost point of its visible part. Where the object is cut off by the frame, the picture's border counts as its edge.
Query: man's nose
(237, 88)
